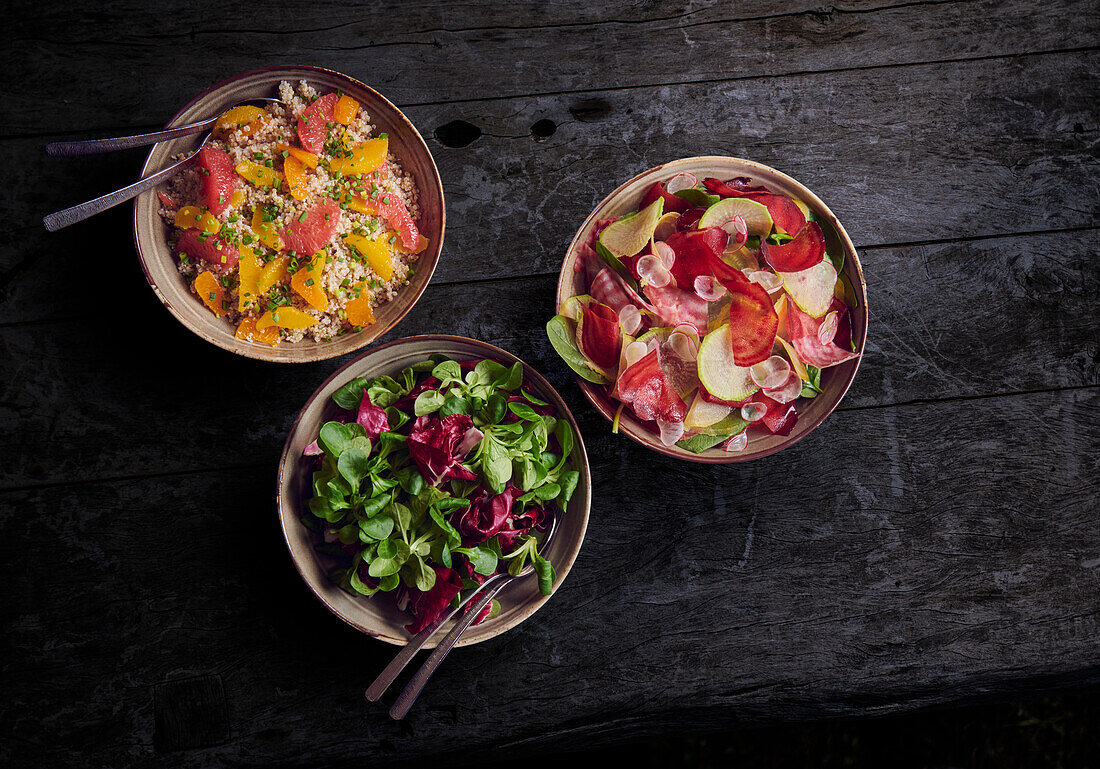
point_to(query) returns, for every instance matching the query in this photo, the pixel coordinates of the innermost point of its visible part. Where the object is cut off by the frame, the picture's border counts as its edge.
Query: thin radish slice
(770, 373)
(829, 325)
(737, 442)
(706, 287)
(789, 391)
(682, 181)
(665, 253)
(684, 346)
(653, 271)
(737, 229)
(635, 351)
(753, 411)
(670, 431)
(630, 318)
(769, 280)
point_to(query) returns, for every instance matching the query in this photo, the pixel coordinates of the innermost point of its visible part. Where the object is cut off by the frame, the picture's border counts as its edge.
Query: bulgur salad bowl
(300, 231)
(440, 468)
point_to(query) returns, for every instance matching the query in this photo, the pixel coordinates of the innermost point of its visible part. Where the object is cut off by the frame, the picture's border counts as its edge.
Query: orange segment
(365, 158)
(358, 310)
(247, 330)
(273, 272)
(265, 231)
(379, 257)
(346, 109)
(211, 292)
(421, 243)
(193, 218)
(248, 269)
(303, 157)
(236, 198)
(256, 174)
(285, 317)
(308, 282)
(247, 119)
(295, 177)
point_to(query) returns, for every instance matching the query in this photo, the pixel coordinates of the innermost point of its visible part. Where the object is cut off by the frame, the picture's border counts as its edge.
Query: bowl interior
(377, 616)
(151, 232)
(834, 380)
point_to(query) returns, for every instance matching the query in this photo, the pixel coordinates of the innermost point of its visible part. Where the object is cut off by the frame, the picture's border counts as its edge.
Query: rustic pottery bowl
(835, 380)
(151, 233)
(378, 616)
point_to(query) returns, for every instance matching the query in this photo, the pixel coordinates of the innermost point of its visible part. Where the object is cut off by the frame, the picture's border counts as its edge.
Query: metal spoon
(93, 146)
(486, 592)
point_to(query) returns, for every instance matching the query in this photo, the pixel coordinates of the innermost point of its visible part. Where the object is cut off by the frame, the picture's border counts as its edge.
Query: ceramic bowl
(378, 616)
(835, 380)
(159, 263)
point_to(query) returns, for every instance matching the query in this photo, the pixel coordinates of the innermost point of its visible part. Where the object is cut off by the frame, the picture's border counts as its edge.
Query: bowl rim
(287, 517)
(598, 397)
(260, 352)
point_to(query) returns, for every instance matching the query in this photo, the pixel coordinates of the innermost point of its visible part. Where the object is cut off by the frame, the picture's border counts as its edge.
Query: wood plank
(1011, 160)
(477, 49)
(947, 321)
(934, 560)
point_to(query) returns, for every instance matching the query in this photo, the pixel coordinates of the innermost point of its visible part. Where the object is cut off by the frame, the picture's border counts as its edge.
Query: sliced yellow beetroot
(599, 336)
(806, 249)
(812, 289)
(753, 321)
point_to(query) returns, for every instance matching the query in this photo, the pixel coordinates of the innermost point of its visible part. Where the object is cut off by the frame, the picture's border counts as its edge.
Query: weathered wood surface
(933, 542)
(854, 574)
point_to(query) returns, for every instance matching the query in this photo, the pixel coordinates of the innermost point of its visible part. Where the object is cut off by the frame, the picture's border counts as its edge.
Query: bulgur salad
(294, 220)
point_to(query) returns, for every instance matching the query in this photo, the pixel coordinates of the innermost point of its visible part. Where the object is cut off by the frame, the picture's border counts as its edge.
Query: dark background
(914, 584)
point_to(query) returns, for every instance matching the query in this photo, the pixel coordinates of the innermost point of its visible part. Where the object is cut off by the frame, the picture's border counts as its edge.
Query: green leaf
(697, 197)
(809, 391)
(334, 437)
(424, 575)
(482, 559)
(384, 391)
(396, 417)
(496, 465)
(377, 528)
(815, 377)
(513, 379)
(559, 330)
(410, 479)
(358, 585)
(454, 405)
(545, 573)
(401, 514)
(533, 399)
(496, 408)
(385, 564)
(697, 444)
(448, 371)
(354, 465)
(490, 371)
(428, 402)
(350, 395)
(568, 483)
(564, 433)
(453, 537)
(375, 505)
(548, 491)
(524, 412)
(388, 583)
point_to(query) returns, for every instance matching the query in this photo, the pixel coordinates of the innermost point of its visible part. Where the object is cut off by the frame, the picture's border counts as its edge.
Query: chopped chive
(302, 218)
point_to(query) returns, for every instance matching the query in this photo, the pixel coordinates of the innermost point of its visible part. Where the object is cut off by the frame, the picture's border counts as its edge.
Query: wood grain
(893, 577)
(520, 49)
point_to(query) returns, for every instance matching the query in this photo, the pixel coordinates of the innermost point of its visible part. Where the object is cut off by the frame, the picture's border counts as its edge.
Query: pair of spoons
(77, 213)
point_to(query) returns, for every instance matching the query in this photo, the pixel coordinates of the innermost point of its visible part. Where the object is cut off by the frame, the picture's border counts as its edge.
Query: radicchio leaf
(433, 445)
(426, 607)
(486, 515)
(372, 418)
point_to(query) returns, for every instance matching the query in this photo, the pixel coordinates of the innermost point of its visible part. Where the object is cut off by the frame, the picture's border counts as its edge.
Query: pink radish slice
(635, 351)
(706, 287)
(665, 253)
(684, 346)
(771, 372)
(769, 280)
(682, 181)
(737, 442)
(829, 325)
(653, 271)
(790, 390)
(737, 230)
(670, 431)
(630, 319)
(753, 411)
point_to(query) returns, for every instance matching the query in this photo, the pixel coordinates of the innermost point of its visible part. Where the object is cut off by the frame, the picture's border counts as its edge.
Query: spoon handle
(93, 146)
(416, 643)
(82, 211)
(413, 688)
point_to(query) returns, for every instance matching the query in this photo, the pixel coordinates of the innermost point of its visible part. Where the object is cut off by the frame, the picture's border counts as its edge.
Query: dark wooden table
(936, 541)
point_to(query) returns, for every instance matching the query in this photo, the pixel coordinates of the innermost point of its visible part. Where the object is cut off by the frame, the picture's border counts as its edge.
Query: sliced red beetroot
(309, 235)
(803, 330)
(753, 321)
(313, 124)
(672, 202)
(802, 252)
(706, 395)
(646, 388)
(780, 418)
(675, 306)
(608, 287)
(218, 178)
(699, 252)
(785, 213)
(598, 335)
(207, 248)
(690, 218)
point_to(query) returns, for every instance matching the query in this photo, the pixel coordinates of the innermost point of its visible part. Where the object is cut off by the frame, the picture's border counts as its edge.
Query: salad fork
(485, 593)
